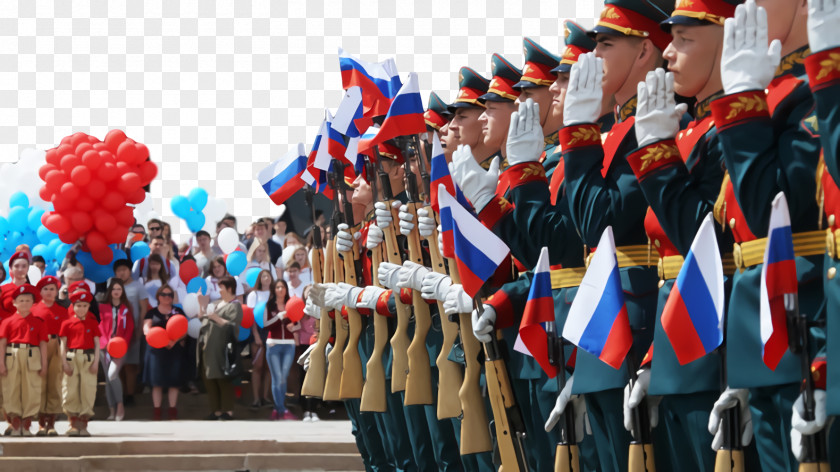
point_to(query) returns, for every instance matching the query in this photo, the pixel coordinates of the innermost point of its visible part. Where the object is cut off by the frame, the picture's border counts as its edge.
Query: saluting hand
(478, 185)
(657, 112)
(747, 62)
(525, 137)
(584, 94)
(823, 24)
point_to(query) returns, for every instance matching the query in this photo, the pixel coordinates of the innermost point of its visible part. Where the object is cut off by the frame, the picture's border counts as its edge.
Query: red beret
(25, 289)
(80, 285)
(47, 280)
(20, 255)
(81, 296)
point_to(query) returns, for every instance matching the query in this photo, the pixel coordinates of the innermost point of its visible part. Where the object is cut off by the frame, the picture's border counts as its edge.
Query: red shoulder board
(614, 138)
(779, 89)
(688, 138)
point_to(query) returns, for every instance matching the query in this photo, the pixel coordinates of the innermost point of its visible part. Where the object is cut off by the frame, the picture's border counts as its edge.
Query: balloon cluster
(191, 208)
(23, 226)
(176, 328)
(235, 259)
(90, 182)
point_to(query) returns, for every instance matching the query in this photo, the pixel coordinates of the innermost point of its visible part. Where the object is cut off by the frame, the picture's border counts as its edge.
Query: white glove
(657, 114)
(383, 214)
(406, 220)
(579, 405)
(317, 294)
(478, 185)
(730, 398)
(303, 360)
(389, 275)
(435, 286)
(482, 325)
(525, 141)
(812, 426)
(440, 239)
(411, 275)
(343, 239)
(633, 398)
(370, 295)
(311, 308)
(425, 223)
(457, 301)
(375, 237)
(823, 24)
(584, 94)
(747, 63)
(342, 294)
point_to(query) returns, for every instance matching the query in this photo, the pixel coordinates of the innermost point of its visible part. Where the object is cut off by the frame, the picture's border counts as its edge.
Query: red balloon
(69, 237)
(107, 172)
(52, 157)
(148, 172)
(118, 235)
(62, 151)
(103, 256)
(176, 327)
(117, 347)
(44, 170)
(91, 159)
(157, 337)
(85, 204)
(247, 317)
(69, 191)
(129, 183)
(125, 153)
(113, 201)
(82, 222)
(125, 216)
(100, 146)
(69, 162)
(56, 223)
(83, 148)
(141, 154)
(137, 196)
(78, 138)
(188, 271)
(44, 193)
(95, 189)
(104, 222)
(54, 180)
(61, 205)
(114, 138)
(80, 176)
(96, 242)
(294, 309)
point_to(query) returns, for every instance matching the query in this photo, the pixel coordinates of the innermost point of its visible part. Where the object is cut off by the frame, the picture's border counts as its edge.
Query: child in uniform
(53, 315)
(80, 353)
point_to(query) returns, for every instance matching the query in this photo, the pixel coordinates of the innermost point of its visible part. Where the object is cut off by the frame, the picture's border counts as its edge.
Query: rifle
(400, 339)
(313, 382)
(815, 446)
(730, 457)
(351, 375)
(451, 377)
(332, 386)
(418, 386)
(566, 455)
(373, 392)
(641, 448)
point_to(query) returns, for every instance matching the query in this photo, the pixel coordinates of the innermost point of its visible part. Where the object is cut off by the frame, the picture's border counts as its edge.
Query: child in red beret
(80, 351)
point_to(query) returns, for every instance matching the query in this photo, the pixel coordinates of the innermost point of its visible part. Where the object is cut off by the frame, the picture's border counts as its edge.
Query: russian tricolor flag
(539, 310)
(368, 140)
(477, 251)
(318, 164)
(379, 82)
(778, 278)
(281, 179)
(693, 315)
(405, 116)
(440, 175)
(336, 147)
(598, 322)
(349, 110)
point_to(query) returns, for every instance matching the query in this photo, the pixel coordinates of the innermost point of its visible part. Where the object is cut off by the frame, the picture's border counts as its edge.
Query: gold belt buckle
(736, 255)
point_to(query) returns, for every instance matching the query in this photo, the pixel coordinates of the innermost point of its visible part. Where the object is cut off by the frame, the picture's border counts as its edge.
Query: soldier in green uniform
(767, 149)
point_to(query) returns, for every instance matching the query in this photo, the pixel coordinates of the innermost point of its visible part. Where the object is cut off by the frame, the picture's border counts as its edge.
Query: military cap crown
(538, 65)
(471, 86)
(505, 76)
(577, 43)
(437, 114)
(638, 18)
(700, 12)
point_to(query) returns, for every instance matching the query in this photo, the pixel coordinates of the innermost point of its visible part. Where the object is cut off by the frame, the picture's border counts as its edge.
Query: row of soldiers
(551, 155)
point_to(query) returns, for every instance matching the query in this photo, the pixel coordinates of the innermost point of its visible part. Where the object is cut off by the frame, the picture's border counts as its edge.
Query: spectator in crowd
(156, 246)
(292, 239)
(281, 348)
(292, 276)
(260, 381)
(262, 232)
(155, 227)
(164, 367)
(258, 257)
(229, 221)
(117, 322)
(135, 234)
(217, 271)
(279, 236)
(40, 263)
(166, 230)
(217, 330)
(183, 251)
(299, 254)
(204, 253)
(138, 302)
(155, 276)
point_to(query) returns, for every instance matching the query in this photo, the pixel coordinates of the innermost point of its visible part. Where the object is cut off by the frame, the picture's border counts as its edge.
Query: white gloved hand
(383, 214)
(411, 275)
(370, 295)
(657, 113)
(633, 398)
(525, 141)
(730, 398)
(425, 223)
(435, 286)
(578, 404)
(343, 239)
(809, 426)
(406, 220)
(440, 240)
(747, 62)
(478, 185)
(375, 237)
(584, 94)
(389, 275)
(342, 294)
(303, 360)
(456, 300)
(823, 24)
(482, 325)
(318, 293)
(311, 308)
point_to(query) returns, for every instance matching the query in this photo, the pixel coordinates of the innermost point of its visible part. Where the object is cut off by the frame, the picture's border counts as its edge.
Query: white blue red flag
(282, 178)
(598, 322)
(477, 251)
(405, 116)
(349, 110)
(378, 81)
(318, 163)
(778, 277)
(539, 310)
(693, 315)
(368, 140)
(440, 175)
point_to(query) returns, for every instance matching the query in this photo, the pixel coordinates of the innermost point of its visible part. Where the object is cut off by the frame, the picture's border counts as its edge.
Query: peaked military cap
(471, 86)
(638, 18)
(577, 43)
(505, 76)
(538, 65)
(437, 114)
(701, 12)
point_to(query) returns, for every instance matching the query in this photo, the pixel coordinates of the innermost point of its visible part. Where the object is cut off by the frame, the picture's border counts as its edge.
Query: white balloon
(34, 274)
(194, 327)
(228, 240)
(190, 305)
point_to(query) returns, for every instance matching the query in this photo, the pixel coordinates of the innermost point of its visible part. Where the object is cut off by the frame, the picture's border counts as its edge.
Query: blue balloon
(139, 250)
(18, 218)
(41, 250)
(4, 227)
(61, 251)
(196, 284)
(93, 271)
(198, 198)
(34, 218)
(180, 206)
(252, 275)
(244, 333)
(236, 262)
(51, 269)
(44, 235)
(14, 239)
(195, 221)
(118, 254)
(259, 314)
(18, 199)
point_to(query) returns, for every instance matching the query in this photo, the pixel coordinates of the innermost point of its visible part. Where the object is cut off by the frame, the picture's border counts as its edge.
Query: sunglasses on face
(156, 228)
(167, 294)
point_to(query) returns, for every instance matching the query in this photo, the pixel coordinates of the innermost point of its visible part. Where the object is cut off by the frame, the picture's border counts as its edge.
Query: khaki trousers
(79, 388)
(51, 393)
(22, 384)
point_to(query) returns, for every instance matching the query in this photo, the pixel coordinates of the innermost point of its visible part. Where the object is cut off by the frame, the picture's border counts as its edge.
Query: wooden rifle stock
(566, 454)
(400, 340)
(373, 392)
(351, 375)
(313, 382)
(332, 386)
(418, 386)
(510, 429)
(730, 457)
